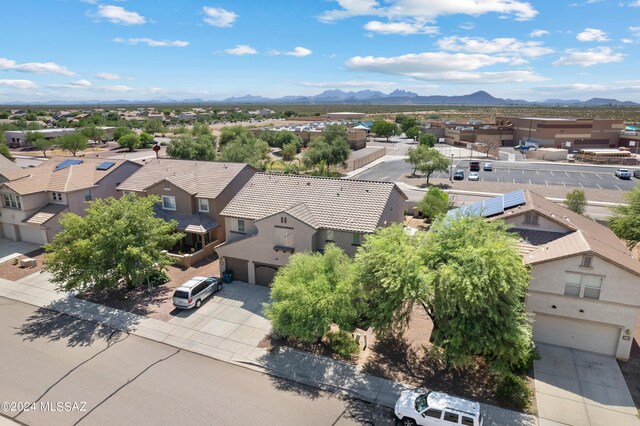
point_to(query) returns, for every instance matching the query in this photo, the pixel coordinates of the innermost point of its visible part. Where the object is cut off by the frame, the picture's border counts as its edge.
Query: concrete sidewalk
(283, 364)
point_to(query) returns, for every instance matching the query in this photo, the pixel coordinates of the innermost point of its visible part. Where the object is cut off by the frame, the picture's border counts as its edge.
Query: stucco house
(33, 199)
(274, 216)
(585, 287)
(193, 193)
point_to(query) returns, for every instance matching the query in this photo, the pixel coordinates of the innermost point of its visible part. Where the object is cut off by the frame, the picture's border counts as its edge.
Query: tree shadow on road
(55, 326)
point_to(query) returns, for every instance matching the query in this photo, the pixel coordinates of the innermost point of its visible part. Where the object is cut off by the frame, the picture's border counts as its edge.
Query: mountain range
(361, 97)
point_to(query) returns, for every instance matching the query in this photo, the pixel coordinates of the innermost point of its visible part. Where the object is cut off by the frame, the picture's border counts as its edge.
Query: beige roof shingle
(72, 178)
(340, 204)
(45, 214)
(7, 165)
(205, 179)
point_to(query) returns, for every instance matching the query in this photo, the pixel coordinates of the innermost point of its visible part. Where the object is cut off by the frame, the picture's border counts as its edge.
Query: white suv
(192, 293)
(419, 407)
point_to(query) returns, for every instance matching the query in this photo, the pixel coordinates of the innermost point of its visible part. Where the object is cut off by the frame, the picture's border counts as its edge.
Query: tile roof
(45, 178)
(45, 213)
(7, 165)
(197, 223)
(340, 204)
(584, 235)
(205, 179)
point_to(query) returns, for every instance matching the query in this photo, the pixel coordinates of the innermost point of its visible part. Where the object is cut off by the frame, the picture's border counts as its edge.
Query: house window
(87, 195)
(586, 261)
(167, 186)
(168, 202)
(531, 219)
(57, 196)
(283, 220)
(578, 285)
(11, 201)
(284, 237)
(357, 239)
(331, 235)
(241, 227)
(203, 205)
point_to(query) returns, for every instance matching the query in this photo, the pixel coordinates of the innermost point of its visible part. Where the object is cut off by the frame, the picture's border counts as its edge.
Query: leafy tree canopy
(576, 201)
(384, 129)
(192, 148)
(625, 222)
(232, 133)
(38, 141)
(4, 151)
(130, 141)
(434, 204)
(245, 149)
(427, 139)
(94, 133)
(121, 131)
(320, 151)
(412, 132)
(72, 142)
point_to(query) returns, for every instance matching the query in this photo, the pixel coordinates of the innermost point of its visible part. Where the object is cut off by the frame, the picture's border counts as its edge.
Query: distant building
(264, 112)
(188, 116)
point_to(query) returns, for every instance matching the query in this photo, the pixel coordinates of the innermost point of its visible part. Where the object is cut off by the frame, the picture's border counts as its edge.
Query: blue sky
(151, 49)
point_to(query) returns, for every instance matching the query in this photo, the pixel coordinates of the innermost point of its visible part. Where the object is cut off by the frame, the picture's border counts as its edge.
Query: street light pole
(451, 170)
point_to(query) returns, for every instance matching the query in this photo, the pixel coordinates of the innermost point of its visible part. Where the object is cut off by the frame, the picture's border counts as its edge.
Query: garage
(33, 234)
(239, 267)
(587, 336)
(9, 231)
(265, 273)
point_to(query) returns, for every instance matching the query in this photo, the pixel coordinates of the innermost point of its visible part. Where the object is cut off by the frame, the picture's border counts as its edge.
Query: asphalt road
(107, 378)
(569, 176)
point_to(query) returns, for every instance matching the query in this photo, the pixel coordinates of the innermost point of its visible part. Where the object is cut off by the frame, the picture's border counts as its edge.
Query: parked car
(474, 176)
(417, 407)
(192, 293)
(458, 175)
(474, 166)
(623, 173)
(488, 167)
(636, 173)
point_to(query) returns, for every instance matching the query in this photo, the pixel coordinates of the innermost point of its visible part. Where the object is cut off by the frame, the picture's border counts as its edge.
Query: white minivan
(420, 407)
(193, 292)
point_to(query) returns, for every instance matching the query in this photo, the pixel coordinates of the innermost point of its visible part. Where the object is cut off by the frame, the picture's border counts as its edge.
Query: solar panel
(105, 166)
(492, 207)
(67, 163)
(513, 199)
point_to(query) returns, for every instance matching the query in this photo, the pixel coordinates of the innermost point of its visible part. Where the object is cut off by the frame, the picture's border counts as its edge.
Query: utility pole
(451, 170)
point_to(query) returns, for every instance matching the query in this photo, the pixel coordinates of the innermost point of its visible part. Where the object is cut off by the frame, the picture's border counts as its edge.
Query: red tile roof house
(33, 199)
(193, 193)
(276, 215)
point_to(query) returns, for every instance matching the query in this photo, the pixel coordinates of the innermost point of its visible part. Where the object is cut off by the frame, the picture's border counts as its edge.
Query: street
(60, 370)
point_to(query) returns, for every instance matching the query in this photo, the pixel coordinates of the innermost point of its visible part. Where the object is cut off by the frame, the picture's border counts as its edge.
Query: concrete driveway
(581, 388)
(231, 320)
(10, 249)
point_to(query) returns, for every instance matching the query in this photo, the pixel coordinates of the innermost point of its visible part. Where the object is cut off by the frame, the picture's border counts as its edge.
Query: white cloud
(18, 84)
(626, 40)
(636, 3)
(298, 51)
(349, 84)
(587, 58)
(81, 83)
(442, 66)
(153, 43)
(467, 26)
(400, 28)
(428, 10)
(635, 30)
(592, 34)
(34, 67)
(241, 49)
(219, 17)
(497, 46)
(538, 33)
(110, 76)
(118, 15)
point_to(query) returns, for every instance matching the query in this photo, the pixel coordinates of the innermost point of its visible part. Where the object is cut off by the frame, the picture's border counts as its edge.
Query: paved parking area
(581, 388)
(10, 249)
(232, 320)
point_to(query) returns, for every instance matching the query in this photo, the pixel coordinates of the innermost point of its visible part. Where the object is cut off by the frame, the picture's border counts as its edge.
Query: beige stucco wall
(225, 196)
(394, 210)
(185, 203)
(618, 303)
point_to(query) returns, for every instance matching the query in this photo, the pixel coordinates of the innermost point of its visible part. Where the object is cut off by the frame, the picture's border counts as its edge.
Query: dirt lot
(12, 272)
(155, 302)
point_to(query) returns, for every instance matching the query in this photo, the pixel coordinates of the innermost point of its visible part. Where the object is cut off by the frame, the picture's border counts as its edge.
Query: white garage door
(587, 336)
(32, 234)
(9, 233)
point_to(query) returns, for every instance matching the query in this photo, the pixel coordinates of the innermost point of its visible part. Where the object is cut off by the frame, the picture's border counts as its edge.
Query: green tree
(320, 151)
(120, 132)
(192, 148)
(625, 222)
(280, 139)
(130, 141)
(117, 241)
(335, 132)
(4, 151)
(232, 133)
(408, 122)
(384, 129)
(312, 292)
(93, 133)
(201, 129)
(431, 160)
(576, 201)
(4, 115)
(289, 151)
(38, 141)
(145, 140)
(412, 133)
(427, 139)
(434, 204)
(477, 283)
(416, 156)
(72, 142)
(246, 149)
(153, 126)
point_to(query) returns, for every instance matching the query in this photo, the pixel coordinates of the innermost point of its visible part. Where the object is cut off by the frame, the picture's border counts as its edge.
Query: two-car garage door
(587, 336)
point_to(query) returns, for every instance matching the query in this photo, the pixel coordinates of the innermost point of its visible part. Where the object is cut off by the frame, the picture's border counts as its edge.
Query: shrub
(513, 391)
(342, 344)
(158, 277)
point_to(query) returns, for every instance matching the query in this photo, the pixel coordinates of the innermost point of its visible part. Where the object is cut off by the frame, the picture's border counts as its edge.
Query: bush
(342, 344)
(158, 277)
(513, 391)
